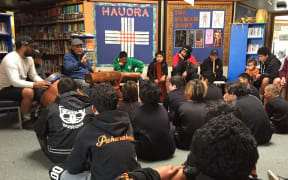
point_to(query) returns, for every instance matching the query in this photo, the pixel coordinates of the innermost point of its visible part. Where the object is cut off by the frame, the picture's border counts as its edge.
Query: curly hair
(130, 92)
(237, 88)
(150, 93)
(195, 90)
(66, 84)
(224, 148)
(264, 51)
(104, 97)
(220, 107)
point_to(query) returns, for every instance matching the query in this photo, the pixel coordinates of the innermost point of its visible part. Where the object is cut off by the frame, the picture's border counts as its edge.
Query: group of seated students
(100, 137)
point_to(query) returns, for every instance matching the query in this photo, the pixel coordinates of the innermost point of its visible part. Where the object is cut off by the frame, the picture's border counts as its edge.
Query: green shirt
(130, 65)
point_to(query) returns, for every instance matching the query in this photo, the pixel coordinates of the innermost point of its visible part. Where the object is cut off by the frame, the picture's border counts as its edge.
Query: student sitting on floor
(154, 140)
(213, 92)
(176, 96)
(245, 79)
(252, 70)
(222, 149)
(276, 108)
(59, 123)
(107, 142)
(190, 115)
(252, 110)
(130, 99)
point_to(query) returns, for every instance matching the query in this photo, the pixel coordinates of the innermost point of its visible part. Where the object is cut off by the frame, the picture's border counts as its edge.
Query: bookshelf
(6, 44)
(245, 41)
(53, 28)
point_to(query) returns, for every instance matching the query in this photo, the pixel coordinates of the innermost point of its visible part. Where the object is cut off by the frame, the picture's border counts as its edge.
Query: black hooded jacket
(207, 67)
(60, 121)
(270, 68)
(108, 143)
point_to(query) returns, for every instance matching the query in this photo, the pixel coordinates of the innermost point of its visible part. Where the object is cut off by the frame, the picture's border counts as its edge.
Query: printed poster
(180, 38)
(204, 20)
(191, 38)
(199, 38)
(218, 19)
(209, 38)
(218, 38)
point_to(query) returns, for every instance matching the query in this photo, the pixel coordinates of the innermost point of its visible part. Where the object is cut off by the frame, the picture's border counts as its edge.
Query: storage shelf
(255, 37)
(4, 34)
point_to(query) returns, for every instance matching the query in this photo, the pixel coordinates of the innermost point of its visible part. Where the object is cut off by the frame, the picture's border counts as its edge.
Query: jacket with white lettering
(108, 143)
(59, 123)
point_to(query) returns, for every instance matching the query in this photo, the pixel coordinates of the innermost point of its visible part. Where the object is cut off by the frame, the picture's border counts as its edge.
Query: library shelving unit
(245, 41)
(6, 44)
(53, 27)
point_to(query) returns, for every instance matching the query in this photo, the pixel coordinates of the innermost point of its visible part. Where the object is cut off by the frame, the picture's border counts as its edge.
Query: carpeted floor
(22, 159)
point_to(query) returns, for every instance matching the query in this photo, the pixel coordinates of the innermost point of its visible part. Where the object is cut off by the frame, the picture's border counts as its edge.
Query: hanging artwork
(218, 19)
(218, 38)
(180, 38)
(209, 38)
(191, 38)
(204, 20)
(199, 38)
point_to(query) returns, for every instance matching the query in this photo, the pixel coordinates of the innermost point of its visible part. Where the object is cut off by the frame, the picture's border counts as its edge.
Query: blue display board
(202, 29)
(124, 27)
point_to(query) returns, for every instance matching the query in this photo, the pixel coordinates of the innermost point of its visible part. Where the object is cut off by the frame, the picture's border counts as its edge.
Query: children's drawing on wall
(218, 38)
(218, 19)
(199, 38)
(209, 38)
(180, 38)
(191, 38)
(204, 21)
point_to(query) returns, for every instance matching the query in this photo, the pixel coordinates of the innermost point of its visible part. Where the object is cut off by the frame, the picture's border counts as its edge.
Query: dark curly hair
(150, 93)
(130, 92)
(237, 88)
(104, 97)
(264, 51)
(66, 84)
(220, 107)
(224, 148)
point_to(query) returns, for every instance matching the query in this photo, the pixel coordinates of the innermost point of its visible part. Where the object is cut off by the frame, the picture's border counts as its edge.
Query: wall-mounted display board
(130, 27)
(204, 26)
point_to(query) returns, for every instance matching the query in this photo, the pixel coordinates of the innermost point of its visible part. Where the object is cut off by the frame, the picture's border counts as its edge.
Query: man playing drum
(15, 67)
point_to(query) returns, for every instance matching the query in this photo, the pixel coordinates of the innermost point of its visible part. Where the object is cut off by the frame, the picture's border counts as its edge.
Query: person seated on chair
(252, 110)
(216, 73)
(213, 92)
(158, 72)
(247, 81)
(276, 108)
(154, 140)
(58, 123)
(269, 69)
(190, 115)
(130, 99)
(106, 143)
(223, 148)
(15, 68)
(37, 57)
(184, 64)
(176, 96)
(76, 65)
(123, 63)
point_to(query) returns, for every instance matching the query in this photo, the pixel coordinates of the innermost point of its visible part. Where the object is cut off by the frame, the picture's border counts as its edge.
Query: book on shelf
(4, 46)
(255, 32)
(253, 48)
(3, 27)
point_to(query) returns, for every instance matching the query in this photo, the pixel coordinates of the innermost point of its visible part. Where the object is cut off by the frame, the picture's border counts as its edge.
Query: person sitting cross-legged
(252, 110)
(154, 140)
(106, 144)
(276, 108)
(59, 123)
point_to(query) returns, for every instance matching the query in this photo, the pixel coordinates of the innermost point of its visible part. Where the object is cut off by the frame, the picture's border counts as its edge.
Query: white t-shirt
(14, 71)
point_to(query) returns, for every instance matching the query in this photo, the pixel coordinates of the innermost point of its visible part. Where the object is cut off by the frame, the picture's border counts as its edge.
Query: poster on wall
(209, 38)
(204, 20)
(125, 27)
(180, 38)
(218, 19)
(202, 29)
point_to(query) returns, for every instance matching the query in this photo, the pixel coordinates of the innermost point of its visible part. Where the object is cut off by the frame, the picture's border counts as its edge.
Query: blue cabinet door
(238, 48)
